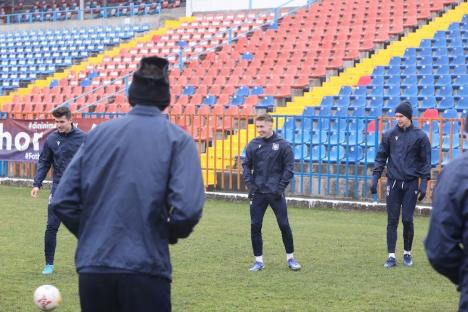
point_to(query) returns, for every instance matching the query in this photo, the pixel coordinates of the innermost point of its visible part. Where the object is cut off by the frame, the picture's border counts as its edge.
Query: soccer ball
(47, 297)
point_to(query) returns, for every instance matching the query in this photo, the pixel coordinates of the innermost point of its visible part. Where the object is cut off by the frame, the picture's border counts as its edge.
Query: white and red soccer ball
(47, 297)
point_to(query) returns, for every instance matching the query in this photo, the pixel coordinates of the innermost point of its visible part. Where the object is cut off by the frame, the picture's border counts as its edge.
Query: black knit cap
(150, 84)
(405, 109)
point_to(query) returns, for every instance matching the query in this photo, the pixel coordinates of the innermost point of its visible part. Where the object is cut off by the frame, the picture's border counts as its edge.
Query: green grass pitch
(342, 254)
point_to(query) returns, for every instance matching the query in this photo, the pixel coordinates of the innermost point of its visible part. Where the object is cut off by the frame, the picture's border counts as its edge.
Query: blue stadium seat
(395, 61)
(188, 90)
(357, 102)
(393, 81)
(435, 157)
(446, 103)
(266, 102)
(424, 70)
(369, 155)
(320, 138)
(337, 138)
(317, 153)
(378, 71)
(462, 91)
(336, 153)
(428, 102)
(342, 101)
(431, 126)
(354, 154)
(360, 91)
(450, 156)
(243, 91)
(462, 103)
(378, 80)
(345, 91)
(428, 90)
(300, 151)
(353, 139)
(209, 100)
(327, 101)
(410, 90)
(237, 100)
(450, 141)
(392, 91)
(435, 139)
(443, 80)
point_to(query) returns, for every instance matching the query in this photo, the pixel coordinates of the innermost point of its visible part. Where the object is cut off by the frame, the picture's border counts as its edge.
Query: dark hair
(62, 111)
(264, 117)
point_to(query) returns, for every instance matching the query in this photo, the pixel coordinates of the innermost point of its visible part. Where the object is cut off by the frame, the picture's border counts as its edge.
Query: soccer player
(134, 187)
(448, 229)
(268, 169)
(406, 152)
(57, 152)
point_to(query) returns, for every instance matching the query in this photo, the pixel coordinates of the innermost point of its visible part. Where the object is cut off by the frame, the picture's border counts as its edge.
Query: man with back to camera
(406, 151)
(57, 152)
(134, 187)
(448, 235)
(268, 169)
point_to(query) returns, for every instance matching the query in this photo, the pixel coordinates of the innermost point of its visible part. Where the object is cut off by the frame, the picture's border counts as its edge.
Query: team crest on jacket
(396, 138)
(58, 143)
(275, 146)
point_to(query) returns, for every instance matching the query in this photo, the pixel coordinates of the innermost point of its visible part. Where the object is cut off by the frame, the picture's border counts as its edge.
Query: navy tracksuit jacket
(129, 178)
(447, 238)
(407, 155)
(58, 151)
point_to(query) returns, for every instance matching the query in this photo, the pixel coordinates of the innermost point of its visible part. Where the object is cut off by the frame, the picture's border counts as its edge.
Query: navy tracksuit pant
(258, 207)
(124, 292)
(401, 195)
(50, 237)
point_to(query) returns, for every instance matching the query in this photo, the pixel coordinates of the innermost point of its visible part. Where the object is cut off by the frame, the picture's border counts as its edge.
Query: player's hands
(34, 192)
(252, 190)
(277, 195)
(422, 190)
(373, 187)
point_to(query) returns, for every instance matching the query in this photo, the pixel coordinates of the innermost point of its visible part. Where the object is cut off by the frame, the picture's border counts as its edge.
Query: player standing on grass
(57, 152)
(406, 152)
(268, 169)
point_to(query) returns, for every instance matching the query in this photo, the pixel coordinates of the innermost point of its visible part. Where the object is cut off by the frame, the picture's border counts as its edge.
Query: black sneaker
(390, 263)
(407, 260)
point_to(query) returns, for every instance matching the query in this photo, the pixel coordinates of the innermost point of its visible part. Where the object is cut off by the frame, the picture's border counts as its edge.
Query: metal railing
(334, 156)
(77, 14)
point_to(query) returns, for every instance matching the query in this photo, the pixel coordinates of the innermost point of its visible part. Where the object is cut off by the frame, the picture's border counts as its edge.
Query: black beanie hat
(405, 109)
(150, 84)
